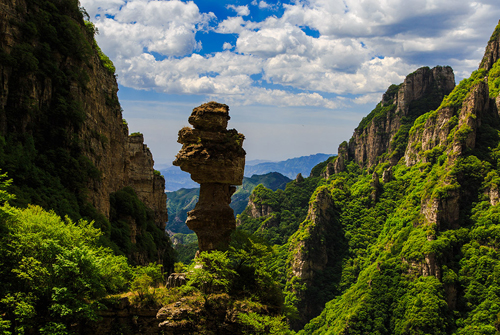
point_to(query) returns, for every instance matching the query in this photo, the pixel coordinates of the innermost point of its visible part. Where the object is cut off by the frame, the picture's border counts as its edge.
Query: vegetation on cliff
(50, 63)
(45, 155)
(59, 115)
(413, 244)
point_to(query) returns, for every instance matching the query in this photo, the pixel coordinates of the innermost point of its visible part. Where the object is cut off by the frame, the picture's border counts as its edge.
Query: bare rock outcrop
(215, 159)
(492, 52)
(149, 186)
(383, 131)
(305, 263)
(258, 210)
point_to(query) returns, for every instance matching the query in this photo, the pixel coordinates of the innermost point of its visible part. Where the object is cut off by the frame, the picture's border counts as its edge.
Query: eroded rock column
(215, 158)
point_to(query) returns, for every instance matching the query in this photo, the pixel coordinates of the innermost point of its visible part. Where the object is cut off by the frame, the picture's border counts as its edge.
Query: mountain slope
(401, 231)
(431, 256)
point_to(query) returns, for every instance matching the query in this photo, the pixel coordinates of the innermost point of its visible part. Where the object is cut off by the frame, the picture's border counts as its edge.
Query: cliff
(400, 232)
(382, 134)
(64, 141)
(427, 216)
(313, 249)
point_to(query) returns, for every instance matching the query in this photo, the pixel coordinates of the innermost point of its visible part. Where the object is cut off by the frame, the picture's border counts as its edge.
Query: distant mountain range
(289, 168)
(175, 179)
(182, 201)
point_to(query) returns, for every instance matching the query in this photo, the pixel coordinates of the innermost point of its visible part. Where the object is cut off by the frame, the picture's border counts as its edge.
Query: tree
(53, 271)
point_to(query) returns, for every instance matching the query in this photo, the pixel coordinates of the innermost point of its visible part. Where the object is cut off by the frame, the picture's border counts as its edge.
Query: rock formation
(313, 248)
(382, 130)
(149, 186)
(215, 159)
(61, 99)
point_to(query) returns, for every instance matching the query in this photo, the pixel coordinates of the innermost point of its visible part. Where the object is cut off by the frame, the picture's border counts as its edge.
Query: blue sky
(298, 75)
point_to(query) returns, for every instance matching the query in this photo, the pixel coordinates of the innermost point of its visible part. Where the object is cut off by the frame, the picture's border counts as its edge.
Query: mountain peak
(383, 134)
(492, 52)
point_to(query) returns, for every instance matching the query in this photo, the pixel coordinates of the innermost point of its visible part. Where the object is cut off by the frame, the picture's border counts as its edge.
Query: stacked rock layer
(215, 159)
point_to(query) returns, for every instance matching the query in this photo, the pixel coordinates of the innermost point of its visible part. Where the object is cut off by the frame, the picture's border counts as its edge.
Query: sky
(298, 75)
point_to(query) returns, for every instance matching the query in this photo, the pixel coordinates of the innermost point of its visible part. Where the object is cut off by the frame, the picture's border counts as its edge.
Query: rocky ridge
(443, 136)
(374, 140)
(382, 130)
(311, 250)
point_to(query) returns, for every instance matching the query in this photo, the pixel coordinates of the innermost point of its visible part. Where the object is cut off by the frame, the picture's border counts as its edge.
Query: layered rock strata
(215, 159)
(383, 131)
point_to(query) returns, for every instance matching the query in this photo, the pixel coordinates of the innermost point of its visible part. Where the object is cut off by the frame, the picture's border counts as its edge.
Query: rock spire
(215, 159)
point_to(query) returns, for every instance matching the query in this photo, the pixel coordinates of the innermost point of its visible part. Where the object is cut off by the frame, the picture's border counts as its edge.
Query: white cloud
(240, 10)
(362, 47)
(275, 97)
(232, 25)
(165, 27)
(372, 98)
(263, 4)
(308, 76)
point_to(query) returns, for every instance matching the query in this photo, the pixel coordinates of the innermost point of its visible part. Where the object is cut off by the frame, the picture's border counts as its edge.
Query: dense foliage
(149, 240)
(53, 271)
(271, 180)
(414, 252)
(245, 273)
(289, 209)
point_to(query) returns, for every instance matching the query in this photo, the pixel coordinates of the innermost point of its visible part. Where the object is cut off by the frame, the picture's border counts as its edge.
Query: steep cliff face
(149, 186)
(313, 248)
(258, 209)
(64, 141)
(412, 220)
(385, 129)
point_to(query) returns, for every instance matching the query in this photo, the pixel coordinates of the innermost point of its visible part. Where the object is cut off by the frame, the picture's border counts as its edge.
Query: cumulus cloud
(240, 10)
(359, 48)
(263, 4)
(372, 98)
(165, 27)
(280, 98)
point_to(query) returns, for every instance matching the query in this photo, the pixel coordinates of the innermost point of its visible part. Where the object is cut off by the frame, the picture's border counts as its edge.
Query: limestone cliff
(429, 208)
(463, 119)
(316, 246)
(385, 129)
(149, 186)
(59, 110)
